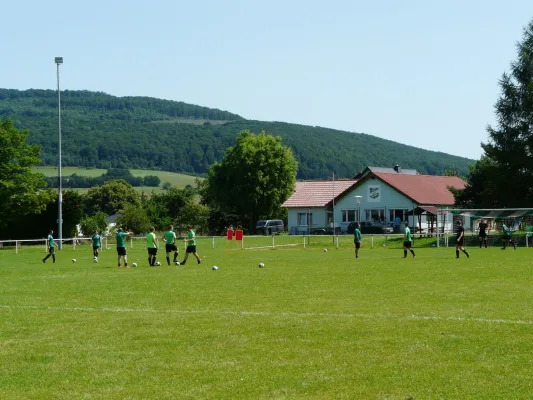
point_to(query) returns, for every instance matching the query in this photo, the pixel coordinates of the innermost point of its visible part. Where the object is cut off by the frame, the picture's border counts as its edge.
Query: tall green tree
(254, 178)
(21, 191)
(134, 218)
(98, 222)
(111, 197)
(511, 141)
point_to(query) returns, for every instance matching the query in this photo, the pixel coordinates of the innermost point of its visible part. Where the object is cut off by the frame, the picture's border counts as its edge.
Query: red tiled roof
(317, 193)
(424, 189)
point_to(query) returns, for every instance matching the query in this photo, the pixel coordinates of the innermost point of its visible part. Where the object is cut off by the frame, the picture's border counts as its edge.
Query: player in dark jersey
(483, 233)
(460, 240)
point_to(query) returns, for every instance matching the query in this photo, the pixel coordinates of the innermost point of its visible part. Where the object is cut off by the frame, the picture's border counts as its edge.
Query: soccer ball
(95, 260)
(325, 250)
(215, 268)
(261, 265)
(157, 264)
(73, 260)
(134, 265)
(176, 263)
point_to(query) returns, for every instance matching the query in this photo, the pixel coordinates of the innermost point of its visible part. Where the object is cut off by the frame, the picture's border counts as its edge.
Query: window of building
(348, 215)
(303, 219)
(377, 215)
(400, 213)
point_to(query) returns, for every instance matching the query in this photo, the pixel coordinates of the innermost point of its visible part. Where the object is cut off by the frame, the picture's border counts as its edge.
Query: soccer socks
(175, 256)
(404, 253)
(412, 252)
(466, 252)
(168, 260)
(456, 253)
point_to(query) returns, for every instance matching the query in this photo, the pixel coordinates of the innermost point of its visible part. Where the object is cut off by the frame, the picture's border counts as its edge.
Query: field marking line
(412, 317)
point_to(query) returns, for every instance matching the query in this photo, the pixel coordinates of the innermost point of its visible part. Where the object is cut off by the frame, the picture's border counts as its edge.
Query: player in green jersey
(96, 241)
(151, 239)
(507, 237)
(191, 246)
(50, 244)
(121, 246)
(170, 243)
(407, 241)
(357, 237)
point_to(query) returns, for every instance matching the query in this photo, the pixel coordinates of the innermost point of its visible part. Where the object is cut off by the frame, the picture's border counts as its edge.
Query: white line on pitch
(272, 314)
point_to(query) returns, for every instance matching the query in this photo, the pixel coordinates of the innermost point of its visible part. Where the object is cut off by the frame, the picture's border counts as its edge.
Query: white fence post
(337, 242)
(304, 242)
(213, 242)
(273, 241)
(16, 247)
(372, 241)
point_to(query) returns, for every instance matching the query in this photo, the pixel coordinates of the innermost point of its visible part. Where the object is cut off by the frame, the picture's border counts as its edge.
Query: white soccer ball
(177, 263)
(325, 250)
(73, 260)
(215, 268)
(95, 260)
(157, 264)
(261, 265)
(134, 265)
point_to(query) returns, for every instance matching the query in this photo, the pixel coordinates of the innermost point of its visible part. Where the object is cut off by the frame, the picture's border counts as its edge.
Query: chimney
(397, 168)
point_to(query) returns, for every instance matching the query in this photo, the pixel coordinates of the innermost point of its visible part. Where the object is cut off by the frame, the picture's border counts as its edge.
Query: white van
(270, 226)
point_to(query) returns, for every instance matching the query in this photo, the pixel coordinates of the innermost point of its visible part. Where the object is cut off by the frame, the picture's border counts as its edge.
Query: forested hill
(99, 130)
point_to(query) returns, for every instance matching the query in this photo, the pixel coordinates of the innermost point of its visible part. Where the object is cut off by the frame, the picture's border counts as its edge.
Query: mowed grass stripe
(272, 315)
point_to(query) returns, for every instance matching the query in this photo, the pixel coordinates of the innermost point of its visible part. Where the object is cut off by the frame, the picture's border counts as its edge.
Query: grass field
(175, 179)
(310, 325)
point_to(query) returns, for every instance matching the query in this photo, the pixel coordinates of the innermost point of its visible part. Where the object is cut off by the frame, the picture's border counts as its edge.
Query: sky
(423, 73)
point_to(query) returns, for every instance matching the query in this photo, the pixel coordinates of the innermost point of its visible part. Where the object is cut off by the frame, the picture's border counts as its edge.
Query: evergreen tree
(511, 141)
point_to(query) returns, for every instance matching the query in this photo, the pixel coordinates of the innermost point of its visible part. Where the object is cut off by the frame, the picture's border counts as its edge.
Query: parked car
(326, 231)
(369, 228)
(270, 226)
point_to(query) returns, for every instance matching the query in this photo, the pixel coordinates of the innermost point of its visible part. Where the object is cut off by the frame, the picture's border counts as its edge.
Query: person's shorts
(460, 242)
(191, 249)
(121, 251)
(96, 247)
(407, 244)
(357, 245)
(170, 248)
(152, 251)
(51, 250)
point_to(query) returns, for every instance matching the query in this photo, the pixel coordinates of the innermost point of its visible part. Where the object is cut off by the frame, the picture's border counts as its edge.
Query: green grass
(175, 179)
(310, 325)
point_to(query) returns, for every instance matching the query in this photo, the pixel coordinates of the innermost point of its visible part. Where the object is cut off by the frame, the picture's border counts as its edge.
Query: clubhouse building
(380, 195)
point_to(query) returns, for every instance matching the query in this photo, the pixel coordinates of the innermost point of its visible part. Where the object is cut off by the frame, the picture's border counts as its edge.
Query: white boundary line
(411, 317)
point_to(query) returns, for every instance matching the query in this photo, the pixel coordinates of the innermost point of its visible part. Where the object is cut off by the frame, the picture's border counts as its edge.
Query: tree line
(77, 181)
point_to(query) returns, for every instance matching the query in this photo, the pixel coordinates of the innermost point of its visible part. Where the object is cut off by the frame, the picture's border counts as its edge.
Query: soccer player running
(170, 243)
(50, 244)
(191, 246)
(407, 241)
(460, 240)
(507, 237)
(483, 233)
(121, 246)
(151, 238)
(357, 237)
(96, 240)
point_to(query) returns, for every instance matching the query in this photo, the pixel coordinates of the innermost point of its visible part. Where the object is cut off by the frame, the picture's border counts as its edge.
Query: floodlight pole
(58, 61)
(358, 200)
